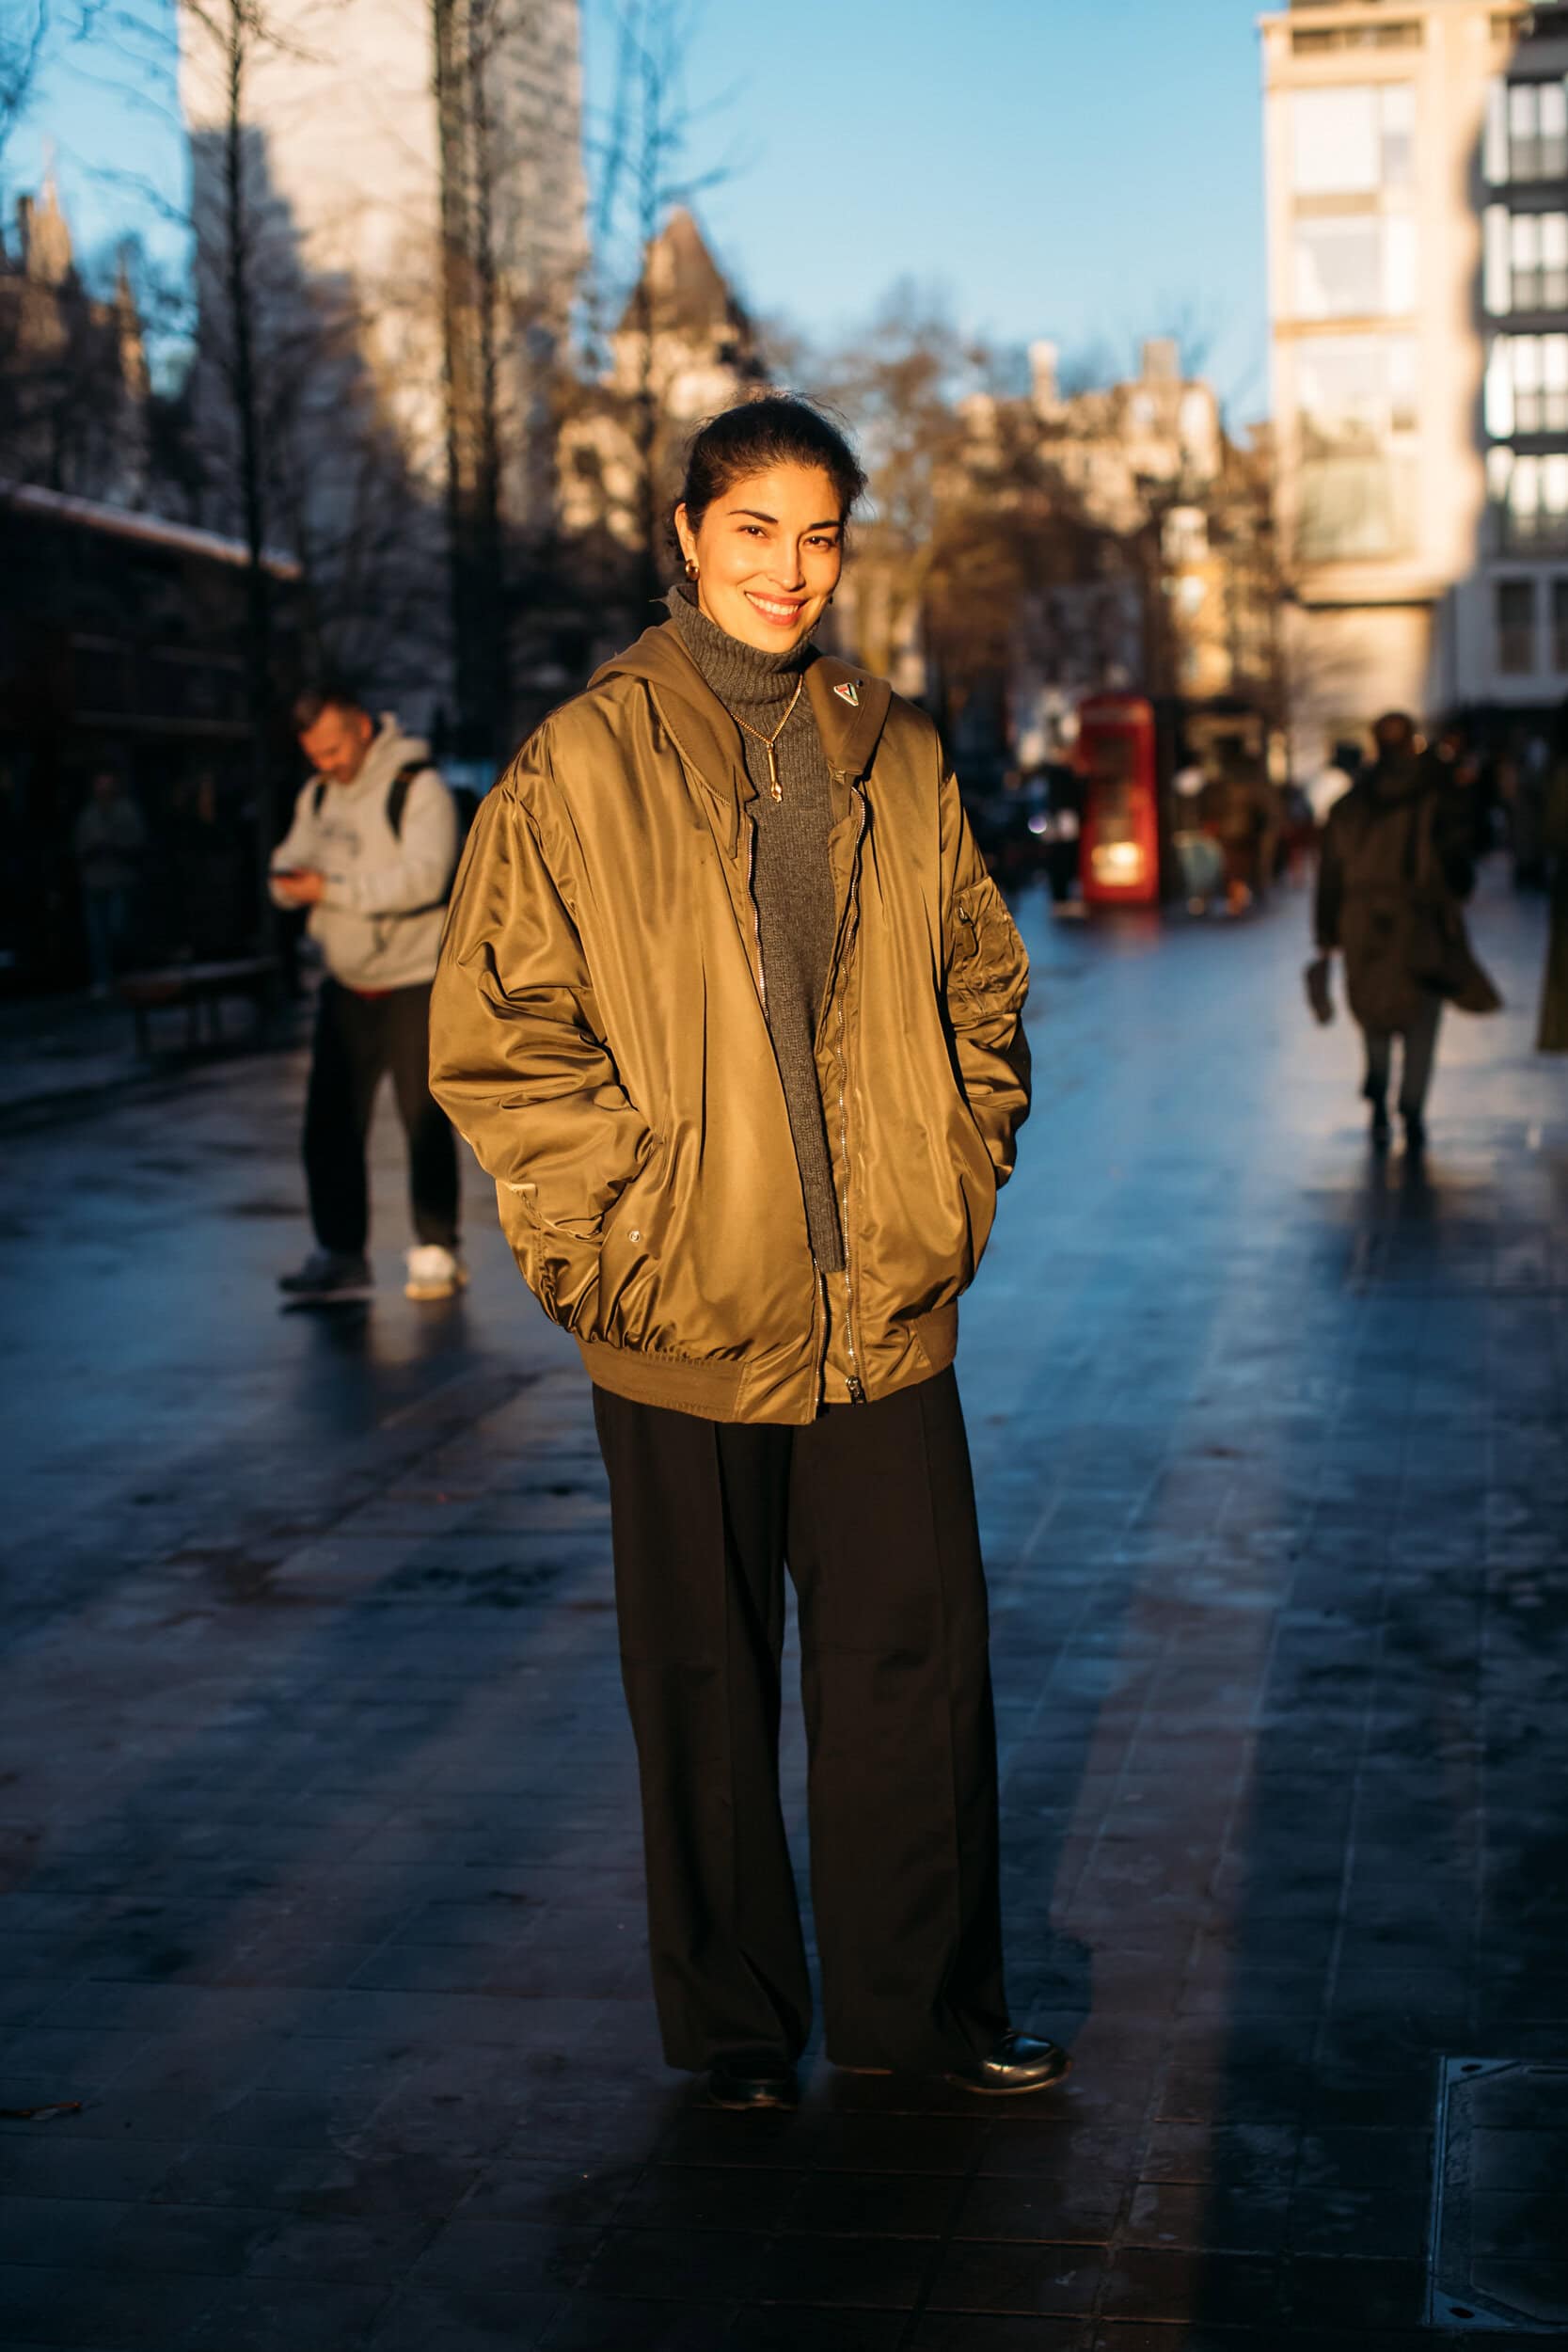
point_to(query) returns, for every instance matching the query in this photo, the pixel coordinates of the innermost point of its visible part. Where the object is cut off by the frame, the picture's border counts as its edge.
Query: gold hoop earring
(691, 568)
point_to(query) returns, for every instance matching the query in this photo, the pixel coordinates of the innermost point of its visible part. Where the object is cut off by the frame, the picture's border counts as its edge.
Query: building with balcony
(1417, 210)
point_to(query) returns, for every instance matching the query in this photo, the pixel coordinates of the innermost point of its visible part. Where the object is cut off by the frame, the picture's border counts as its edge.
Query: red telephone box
(1117, 758)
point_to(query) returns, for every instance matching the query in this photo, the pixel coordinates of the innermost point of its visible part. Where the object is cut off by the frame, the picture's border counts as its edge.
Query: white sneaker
(433, 1272)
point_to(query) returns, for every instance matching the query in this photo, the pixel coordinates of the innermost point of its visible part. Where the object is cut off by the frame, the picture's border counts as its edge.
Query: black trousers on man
(359, 1041)
(873, 1506)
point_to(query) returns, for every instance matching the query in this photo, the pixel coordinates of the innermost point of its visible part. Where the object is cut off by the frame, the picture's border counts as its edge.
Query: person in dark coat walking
(1397, 840)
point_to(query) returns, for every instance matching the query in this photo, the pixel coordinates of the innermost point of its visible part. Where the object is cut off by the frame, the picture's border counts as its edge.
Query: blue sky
(107, 115)
(1084, 169)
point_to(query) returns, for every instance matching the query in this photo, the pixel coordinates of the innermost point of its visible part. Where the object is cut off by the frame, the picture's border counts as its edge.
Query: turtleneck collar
(742, 677)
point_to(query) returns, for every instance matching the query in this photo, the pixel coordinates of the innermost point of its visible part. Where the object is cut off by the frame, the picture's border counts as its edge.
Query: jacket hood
(388, 751)
(395, 748)
(1391, 780)
(849, 706)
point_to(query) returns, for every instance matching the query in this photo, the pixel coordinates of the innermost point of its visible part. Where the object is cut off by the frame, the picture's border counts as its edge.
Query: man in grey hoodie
(370, 852)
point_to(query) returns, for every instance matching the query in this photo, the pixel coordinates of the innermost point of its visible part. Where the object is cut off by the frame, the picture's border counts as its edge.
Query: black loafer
(751, 2082)
(1018, 2063)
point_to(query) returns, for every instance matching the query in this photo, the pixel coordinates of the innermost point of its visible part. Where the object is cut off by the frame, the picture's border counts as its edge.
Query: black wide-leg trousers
(873, 1508)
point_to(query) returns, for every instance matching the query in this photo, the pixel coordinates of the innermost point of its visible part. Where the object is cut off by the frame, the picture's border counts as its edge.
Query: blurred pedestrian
(1298, 834)
(1332, 781)
(1199, 859)
(370, 853)
(1552, 1035)
(1395, 849)
(210, 873)
(1531, 772)
(110, 840)
(747, 1075)
(1456, 752)
(1239, 811)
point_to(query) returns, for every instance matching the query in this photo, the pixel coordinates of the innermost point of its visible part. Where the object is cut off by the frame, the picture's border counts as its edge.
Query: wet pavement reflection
(322, 1890)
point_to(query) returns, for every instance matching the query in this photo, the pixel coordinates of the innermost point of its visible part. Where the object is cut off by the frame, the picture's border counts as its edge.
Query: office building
(1418, 211)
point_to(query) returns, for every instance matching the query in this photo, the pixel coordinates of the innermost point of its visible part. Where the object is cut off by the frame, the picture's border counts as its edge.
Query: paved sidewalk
(66, 1056)
(320, 1886)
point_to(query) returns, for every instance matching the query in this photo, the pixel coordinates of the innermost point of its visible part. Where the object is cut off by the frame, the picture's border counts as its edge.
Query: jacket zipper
(857, 1387)
(857, 1391)
(750, 823)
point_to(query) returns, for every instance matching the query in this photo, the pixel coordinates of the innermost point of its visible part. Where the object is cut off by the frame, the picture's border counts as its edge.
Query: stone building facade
(74, 395)
(1150, 564)
(683, 348)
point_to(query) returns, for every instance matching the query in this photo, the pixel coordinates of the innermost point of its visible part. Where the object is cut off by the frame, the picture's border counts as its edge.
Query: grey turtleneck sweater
(791, 882)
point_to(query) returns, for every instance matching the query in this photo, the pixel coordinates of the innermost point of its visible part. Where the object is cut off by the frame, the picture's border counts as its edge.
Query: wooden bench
(202, 989)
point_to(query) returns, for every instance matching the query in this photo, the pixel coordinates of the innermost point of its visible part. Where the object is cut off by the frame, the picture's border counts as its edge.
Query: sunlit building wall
(1418, 207)
(351, 179)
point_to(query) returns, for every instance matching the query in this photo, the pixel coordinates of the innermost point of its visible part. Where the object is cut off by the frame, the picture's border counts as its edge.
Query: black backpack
(464, 800)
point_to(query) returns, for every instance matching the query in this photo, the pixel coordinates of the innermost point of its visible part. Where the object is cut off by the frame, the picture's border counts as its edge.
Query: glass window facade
(1357, 140)
(1526, 385)
(1356, 398)
(1360, 266)
(1515, 618)
(1317, 41)
(1527, 260)
(1530, 495)
(1527, 132)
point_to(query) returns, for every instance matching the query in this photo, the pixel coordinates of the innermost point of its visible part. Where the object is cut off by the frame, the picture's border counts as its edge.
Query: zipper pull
(856, 1394)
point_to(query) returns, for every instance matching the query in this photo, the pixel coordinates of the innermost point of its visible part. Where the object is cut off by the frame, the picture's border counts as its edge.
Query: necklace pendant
(774, 786)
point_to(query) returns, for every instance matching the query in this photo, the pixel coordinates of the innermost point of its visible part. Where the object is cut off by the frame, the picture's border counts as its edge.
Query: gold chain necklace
(767, 741)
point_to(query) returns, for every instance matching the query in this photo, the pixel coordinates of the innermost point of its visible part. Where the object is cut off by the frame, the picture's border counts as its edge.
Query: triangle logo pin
(849, 692)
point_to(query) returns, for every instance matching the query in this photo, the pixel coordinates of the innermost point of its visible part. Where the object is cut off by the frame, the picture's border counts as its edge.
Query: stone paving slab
(320, 1885)
(66, 1057)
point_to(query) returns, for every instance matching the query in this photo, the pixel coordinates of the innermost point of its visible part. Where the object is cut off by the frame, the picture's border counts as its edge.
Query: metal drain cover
(1496, 2257)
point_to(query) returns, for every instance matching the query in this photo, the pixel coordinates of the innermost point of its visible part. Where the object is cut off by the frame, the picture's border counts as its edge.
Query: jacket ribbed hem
(720, 1391)
(712, 1391)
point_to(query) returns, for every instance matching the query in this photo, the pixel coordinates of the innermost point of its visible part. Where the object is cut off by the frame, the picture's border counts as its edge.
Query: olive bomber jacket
(597, 1033)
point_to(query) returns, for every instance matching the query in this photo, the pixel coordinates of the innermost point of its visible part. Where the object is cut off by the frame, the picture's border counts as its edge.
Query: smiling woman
(769, 489)
(731, 1011)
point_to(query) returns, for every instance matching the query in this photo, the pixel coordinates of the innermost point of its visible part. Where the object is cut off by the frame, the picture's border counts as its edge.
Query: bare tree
(463, 34)
(1091, 367)
(73, 400)
(902, 380)
(237, 31)
(1195, 323)
(22, 37)
(990, 554)
(67, 364)
(641, 181)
